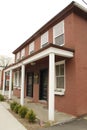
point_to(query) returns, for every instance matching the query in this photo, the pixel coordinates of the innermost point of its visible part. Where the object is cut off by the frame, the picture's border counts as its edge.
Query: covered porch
(47, 56)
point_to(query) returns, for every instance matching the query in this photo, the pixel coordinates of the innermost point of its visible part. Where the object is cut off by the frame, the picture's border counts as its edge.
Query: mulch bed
(27, 125)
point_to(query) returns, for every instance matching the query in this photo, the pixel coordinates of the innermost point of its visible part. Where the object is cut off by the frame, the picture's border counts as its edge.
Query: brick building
(51, 66)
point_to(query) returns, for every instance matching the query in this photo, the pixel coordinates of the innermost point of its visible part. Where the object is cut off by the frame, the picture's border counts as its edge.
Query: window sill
(61, 93)
(16, 87)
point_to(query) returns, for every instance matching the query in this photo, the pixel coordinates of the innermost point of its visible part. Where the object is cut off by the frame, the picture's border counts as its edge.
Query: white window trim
(60, 91)
(17, 84)
(17, 56)
(60, 34)
(7, 80)
(31, 50)
(23, 53)
(41, 39)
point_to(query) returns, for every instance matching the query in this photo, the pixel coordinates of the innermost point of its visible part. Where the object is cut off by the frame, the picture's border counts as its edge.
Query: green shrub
(23, 111)
(12, 105)
(16, 108)
(1, 98)
(31, 116)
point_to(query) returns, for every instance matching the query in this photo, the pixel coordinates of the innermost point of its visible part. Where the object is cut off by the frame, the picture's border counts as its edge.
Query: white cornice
(40, 55)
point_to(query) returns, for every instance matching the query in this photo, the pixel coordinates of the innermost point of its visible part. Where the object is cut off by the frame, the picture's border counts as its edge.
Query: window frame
(31, 45)
(17, 80)
(7, 82)
(18, 56)
(43, 44)
(63, 31)
(22, 53)
(60, 91)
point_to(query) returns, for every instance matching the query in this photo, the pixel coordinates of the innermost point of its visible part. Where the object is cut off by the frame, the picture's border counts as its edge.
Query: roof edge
(72, 7)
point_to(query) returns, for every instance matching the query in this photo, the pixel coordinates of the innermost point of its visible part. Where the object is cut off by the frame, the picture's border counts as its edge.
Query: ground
(28, 126)
(77, 124)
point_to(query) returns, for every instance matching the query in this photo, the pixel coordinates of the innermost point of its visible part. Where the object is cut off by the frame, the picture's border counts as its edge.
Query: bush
(23, 111)
(12, 105)
(31, 116)
(16, 108)
(1, 98)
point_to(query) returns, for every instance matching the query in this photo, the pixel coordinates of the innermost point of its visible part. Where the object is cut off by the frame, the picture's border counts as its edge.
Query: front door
(43, 84)
(30, 77)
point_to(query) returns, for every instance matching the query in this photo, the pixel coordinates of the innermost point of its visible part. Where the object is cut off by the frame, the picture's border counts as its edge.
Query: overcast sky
(19, 19)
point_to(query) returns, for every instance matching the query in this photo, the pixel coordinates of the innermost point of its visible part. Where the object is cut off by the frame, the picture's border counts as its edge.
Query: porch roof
(43, 52)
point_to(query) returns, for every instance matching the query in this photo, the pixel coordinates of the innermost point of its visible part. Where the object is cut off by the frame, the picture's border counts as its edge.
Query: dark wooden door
(43, 84)
(30, 78)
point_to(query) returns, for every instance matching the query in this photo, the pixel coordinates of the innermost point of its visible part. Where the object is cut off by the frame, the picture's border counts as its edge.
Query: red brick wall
(74, 100)
(17, 92)
(50, 35)
(27, 50)
(37, 44)
(80, 30)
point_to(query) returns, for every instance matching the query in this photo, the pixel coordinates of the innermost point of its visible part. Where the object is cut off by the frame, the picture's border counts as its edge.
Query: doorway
(30, 80)
(43, 84)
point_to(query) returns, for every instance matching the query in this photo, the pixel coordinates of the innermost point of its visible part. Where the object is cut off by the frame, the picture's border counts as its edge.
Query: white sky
(19, 19)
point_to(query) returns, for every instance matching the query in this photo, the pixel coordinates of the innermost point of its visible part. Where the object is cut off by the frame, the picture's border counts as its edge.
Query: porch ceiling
(44, 52)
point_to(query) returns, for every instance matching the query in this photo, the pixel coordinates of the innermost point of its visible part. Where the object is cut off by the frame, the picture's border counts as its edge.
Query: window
(60, 77)
(17, 79)
(18, 56)
(58, 34)
(31, 48)
(7, 82)
(44, 39)
(22, 53)
(7, 73)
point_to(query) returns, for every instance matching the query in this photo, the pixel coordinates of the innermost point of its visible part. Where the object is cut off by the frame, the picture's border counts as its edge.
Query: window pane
(44, 39)
(57, 70)
(62, 69)
(60, 82)
(31, 48)
(59, 40)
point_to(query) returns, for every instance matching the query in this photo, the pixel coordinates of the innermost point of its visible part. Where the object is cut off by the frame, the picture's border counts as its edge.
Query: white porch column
(51, 86)
(3, 91)
(10, 85)
(22, 84)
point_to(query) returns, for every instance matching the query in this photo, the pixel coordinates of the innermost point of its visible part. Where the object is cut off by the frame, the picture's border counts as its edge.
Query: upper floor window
(18, 56)
(58, 34)
(22, 53)
(31, 48)
(44, 39)
(60, 77)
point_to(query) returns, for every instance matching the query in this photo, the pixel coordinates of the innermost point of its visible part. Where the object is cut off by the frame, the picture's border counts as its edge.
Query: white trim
(3, 91)
(51, 86)
(17, 83)
(17, 56)
(58, 25)
(61, 91)
(31, 47)
(46, 52)
(22, 85)
(22, 53)
(7, 82)
(10, 85)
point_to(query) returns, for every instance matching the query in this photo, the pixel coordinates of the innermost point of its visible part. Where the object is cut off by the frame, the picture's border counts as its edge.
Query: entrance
(30, 79)
(43, 84)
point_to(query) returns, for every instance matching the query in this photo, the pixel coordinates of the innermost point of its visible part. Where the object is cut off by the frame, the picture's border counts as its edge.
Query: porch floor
(41, 110)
